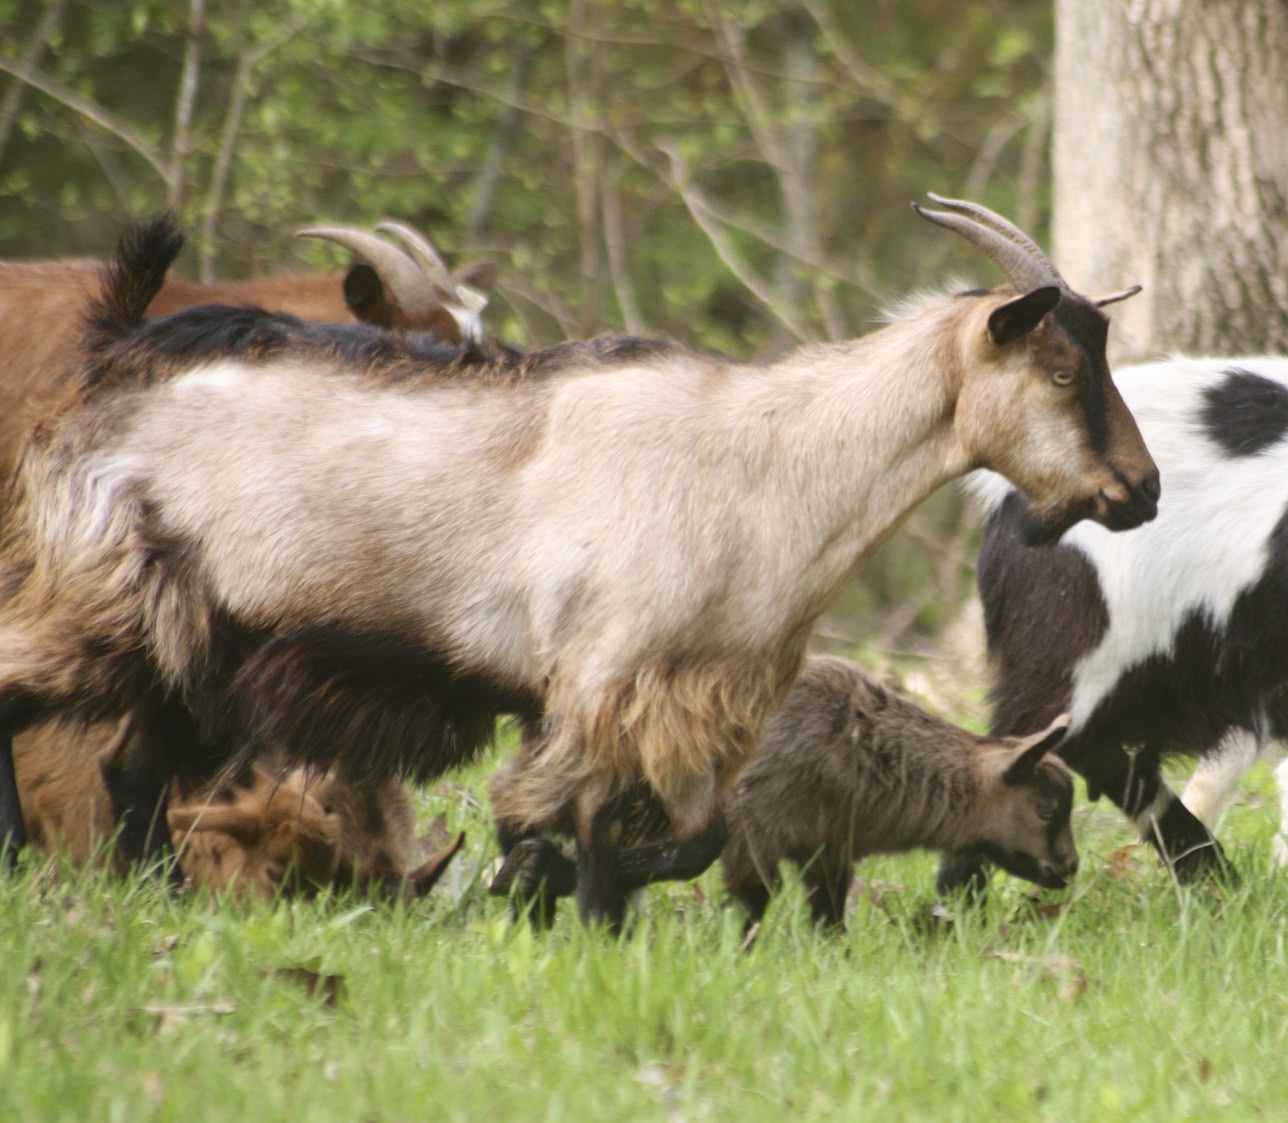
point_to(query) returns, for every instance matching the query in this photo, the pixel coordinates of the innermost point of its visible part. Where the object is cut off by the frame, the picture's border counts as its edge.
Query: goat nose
(1152, 486)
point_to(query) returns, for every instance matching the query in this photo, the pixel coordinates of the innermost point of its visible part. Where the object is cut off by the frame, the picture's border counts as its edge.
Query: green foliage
(734, 176)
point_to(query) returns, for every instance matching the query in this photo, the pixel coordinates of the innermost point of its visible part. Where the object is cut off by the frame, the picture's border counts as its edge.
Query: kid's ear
(1020, 316)
(1029, 750)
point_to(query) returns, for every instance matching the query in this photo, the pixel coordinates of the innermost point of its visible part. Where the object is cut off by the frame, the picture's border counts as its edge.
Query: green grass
(1122, 999)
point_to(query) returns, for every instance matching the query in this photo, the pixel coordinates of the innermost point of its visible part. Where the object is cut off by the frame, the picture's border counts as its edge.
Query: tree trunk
(1171, 169)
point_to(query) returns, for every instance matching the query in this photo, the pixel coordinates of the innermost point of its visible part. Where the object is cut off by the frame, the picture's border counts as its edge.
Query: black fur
(1016, 582)
(1245, 413)
(1088, 330)
(372, 706)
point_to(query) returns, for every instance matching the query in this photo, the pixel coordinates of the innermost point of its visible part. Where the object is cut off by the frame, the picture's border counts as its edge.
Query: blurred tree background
(734, 176)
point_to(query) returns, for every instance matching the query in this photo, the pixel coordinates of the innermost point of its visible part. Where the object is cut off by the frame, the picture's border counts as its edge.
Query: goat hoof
(1205, 863)
(527, 868)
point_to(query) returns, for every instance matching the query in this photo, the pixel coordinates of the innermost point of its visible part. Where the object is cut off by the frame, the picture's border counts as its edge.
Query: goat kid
(428, 549)
(43, 306)
(259, 834)
(1170, 638)
(846, 769)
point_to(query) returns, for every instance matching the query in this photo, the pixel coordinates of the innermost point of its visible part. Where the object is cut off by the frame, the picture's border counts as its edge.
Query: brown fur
(847, 769)
(262, 834)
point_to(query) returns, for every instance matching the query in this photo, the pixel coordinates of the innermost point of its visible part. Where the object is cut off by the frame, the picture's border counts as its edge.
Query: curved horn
(406, 279)
(1025, 266)
(995, 221)
(422, 250)
(464, 304)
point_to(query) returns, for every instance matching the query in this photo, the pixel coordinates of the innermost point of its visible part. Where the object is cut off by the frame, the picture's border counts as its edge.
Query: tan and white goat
(263, 532)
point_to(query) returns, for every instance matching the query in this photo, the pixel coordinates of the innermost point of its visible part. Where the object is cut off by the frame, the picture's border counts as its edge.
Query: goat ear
(1115, 297)
(1020, 316)
(1030, 750)
(425, 876)
(366, 298)
(239, 822)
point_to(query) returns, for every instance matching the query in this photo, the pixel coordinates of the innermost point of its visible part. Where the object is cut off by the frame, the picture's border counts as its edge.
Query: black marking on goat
(1088, 330)
(1016, 584)
(1245, 413)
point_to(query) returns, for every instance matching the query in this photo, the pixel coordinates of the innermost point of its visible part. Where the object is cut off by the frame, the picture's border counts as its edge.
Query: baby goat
(258, 834)
(846, 769)
(360, 550)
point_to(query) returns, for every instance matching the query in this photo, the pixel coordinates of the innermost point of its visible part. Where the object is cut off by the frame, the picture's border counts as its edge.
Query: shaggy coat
(258, 834)
(1170, 638)
(846, 769)
(340, 543)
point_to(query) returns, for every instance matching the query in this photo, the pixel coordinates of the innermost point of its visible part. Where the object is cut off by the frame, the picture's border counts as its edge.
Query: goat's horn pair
(411, 283)
(1015, 253)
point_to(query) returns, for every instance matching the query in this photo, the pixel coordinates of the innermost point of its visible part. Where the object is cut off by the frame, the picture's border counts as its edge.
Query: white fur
(1207, 546)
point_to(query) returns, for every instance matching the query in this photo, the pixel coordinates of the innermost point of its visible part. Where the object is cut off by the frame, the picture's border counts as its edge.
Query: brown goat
(846, 769)
(262, 833)
(43, 305)
(361, 550)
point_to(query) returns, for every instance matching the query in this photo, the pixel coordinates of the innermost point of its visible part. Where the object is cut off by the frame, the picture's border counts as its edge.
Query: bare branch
(94, 114)
(186, 100)
(241, 90)
(695, 201)
(26, 67)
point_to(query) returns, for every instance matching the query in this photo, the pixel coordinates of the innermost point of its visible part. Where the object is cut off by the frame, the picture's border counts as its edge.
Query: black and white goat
(358, 549)
(1173, 637)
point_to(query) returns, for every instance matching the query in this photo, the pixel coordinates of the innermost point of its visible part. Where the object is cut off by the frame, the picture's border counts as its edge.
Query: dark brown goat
(846, 769)
(262, 833)
(43, 306)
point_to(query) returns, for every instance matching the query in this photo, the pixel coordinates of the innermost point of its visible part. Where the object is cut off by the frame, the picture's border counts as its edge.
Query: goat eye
(1063, 377)
(1046, 814)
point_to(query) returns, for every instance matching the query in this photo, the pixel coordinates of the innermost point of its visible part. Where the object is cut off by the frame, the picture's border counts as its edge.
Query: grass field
(1123, 998)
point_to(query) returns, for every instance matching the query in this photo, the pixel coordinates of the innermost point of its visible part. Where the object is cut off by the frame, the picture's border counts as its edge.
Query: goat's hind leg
(601, 896)
(13, 827)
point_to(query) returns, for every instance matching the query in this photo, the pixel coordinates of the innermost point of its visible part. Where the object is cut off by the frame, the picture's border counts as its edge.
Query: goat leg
(1182, 841)
(534, 875)
(13, 829)
(601, 899)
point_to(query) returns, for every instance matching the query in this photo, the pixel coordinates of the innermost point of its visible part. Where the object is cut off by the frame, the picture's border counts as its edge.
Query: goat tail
(132, 279)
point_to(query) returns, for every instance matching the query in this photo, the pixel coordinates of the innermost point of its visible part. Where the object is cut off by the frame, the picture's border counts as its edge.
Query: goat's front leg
(1136, 785)
(601, 898)
(534, 875)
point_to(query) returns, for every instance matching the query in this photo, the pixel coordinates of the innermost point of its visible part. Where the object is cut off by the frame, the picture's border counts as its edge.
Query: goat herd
(262, 566)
